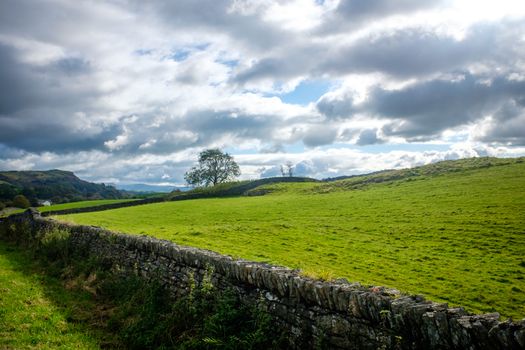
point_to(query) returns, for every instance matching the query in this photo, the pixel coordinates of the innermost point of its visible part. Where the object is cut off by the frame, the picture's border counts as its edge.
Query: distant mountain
(149, 188)
(55, 185)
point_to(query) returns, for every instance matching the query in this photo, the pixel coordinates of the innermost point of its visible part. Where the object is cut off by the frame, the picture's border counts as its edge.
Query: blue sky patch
(180, 55)
(229, 63)
(307, 91)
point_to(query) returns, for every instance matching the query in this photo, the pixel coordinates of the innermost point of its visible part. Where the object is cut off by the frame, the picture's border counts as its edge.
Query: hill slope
(57, 185)
(455, 236)
(236, 188)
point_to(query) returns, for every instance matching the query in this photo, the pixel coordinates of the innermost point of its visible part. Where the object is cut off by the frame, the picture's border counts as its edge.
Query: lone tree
(287, 169)
(214, 167)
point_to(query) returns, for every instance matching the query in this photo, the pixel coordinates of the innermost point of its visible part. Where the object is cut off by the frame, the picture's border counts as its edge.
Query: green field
(71, 205)
(36, 312)
(455, 235)
(81, 204)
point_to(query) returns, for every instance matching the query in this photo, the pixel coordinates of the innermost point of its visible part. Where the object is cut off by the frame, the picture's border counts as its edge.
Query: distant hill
(149, 188)
(56, 185)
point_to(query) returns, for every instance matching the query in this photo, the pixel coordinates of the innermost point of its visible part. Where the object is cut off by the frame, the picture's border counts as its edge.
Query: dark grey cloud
(337, 107)
(418, 51)
(351, 13)
(403, 53)
(319, 135)
(423, 110)
(14, 83)
(427, 109)
(217, 17)
(368, 137)
(26, 85)
(508, 125)
(40, 131)
(39, 105)
(270, 68)
(9, 153)
(71, 66)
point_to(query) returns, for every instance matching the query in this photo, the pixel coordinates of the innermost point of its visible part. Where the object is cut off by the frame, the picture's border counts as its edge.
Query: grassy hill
(57, 185)
(453, 231)
(236, 188)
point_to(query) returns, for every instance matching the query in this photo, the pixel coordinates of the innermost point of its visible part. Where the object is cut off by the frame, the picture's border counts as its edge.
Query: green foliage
(2, 206)
(214, 167)
(454, 236)
(19, 232)
(8, 191)
(147, 318)
(20, 201)
(55, 246)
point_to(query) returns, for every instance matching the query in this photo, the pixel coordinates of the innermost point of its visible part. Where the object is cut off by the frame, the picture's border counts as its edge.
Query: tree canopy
(20, 201)
(214, 167)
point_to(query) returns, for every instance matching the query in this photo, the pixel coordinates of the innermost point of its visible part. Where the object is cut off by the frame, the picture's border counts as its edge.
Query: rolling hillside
(56, 185)
(453, 231)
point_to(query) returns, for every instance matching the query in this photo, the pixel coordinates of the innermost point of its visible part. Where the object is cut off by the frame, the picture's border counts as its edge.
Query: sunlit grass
(37, 312)
(458, 237)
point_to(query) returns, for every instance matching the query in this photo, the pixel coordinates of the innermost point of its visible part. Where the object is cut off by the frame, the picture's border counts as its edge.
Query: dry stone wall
(104, 206)
(314, 314)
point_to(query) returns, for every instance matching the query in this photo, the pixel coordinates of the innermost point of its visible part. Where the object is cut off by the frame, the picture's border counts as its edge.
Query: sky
(130, 91)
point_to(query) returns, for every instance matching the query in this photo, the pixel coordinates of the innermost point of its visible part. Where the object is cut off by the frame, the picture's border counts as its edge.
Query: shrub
(55, 246)
(20, 201)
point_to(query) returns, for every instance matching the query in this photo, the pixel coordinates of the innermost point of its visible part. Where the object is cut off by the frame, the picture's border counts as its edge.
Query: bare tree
(287, 169)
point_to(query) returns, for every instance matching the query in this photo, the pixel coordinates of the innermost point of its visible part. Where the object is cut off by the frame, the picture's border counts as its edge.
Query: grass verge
(37, 312)
(54, 298)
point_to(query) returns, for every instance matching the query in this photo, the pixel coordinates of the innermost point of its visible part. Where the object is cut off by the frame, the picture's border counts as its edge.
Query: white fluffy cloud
(131, 91)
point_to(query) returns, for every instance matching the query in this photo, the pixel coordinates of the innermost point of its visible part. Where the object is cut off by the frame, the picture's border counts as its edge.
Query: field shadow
(75, 313)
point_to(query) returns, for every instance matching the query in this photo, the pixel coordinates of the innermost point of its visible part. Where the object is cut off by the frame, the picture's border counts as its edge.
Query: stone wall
(315, 314)
(104, 206)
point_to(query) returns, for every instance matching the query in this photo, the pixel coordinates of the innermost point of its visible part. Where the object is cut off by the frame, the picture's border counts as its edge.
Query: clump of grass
(319, 273)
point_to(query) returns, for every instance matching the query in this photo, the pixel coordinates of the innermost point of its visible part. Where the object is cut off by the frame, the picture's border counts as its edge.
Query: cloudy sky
(130, 91)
